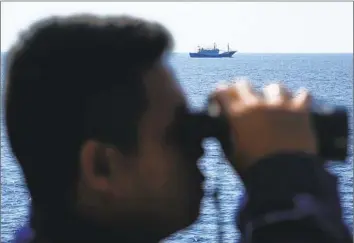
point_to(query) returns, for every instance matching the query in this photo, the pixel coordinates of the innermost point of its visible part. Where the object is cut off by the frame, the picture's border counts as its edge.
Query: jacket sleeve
(291, 198)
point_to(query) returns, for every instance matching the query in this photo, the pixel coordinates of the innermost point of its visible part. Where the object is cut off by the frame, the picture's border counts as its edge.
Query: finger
(233, 92)
(276, 94)
(221, 100)
(216, 100)
(302, 101)
(228, 102)
(246, 93)
(221, 87)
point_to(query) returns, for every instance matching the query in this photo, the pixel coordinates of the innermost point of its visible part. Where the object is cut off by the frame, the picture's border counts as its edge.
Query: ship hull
(221, 55)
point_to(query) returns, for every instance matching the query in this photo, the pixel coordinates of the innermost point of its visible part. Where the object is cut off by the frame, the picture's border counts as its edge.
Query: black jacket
(291, 198)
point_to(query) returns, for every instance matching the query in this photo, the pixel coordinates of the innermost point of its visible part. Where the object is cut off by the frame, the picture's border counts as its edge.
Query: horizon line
(278, 53)
(184, 52)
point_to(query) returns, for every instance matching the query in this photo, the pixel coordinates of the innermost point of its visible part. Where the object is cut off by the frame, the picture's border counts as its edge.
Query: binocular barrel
(329, 123)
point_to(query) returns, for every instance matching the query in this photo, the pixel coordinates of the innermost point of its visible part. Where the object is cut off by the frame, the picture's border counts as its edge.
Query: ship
(212, 53)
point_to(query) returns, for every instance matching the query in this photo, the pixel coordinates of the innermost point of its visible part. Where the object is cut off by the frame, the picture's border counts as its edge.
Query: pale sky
(287, 27)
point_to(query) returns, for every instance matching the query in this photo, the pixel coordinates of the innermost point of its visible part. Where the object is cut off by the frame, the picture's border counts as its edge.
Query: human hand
(264, 125)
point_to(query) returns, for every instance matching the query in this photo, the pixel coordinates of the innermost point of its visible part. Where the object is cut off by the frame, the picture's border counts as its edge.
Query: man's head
(91, 109)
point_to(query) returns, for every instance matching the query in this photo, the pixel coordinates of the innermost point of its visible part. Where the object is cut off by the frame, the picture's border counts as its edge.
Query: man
(91, 112)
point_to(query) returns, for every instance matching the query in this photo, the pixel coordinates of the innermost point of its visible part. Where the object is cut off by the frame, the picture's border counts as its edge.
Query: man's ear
(95, 166)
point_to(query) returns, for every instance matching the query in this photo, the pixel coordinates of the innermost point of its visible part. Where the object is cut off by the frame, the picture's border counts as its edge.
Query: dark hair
(70, 79)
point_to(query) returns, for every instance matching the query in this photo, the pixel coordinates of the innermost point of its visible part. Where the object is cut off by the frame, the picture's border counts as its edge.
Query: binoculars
(329, 123)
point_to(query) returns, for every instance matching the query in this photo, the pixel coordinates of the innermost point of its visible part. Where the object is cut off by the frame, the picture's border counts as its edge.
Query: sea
(328, 76)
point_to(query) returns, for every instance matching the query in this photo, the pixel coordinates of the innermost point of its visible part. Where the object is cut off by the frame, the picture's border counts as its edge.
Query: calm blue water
(329, 77)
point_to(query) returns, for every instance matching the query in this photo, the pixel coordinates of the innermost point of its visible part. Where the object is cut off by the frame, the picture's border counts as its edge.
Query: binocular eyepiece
(329, 123)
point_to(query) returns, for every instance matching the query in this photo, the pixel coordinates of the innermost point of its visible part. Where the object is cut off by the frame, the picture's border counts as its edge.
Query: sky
(253, 27)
